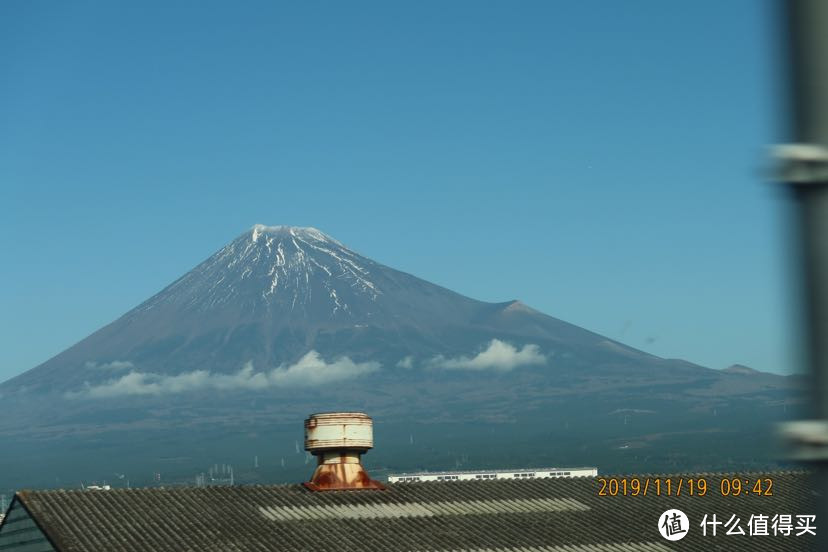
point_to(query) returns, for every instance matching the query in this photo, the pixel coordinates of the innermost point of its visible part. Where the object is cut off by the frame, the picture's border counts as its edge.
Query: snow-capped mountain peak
(287, 267)
(307, 232)
(277, 292)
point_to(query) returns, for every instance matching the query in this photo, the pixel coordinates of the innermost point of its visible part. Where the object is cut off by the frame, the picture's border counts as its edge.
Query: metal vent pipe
(338, 440)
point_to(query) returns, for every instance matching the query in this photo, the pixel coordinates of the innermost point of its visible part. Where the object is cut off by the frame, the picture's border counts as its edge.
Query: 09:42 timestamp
(676, 486)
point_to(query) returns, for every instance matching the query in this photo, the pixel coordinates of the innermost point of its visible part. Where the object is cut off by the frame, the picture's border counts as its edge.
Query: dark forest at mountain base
(737, 437)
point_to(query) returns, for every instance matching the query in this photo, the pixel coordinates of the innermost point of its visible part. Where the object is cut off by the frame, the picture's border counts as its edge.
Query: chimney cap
(325, 431)
(338, 439)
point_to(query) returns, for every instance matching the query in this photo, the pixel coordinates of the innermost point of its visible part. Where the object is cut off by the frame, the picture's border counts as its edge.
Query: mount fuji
(277, 293)
(283, 321)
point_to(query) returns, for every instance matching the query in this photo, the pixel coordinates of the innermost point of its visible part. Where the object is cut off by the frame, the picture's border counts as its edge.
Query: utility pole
(804, 169)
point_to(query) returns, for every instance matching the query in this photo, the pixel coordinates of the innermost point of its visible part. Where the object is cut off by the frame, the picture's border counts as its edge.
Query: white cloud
(407, 363)
(115, 365)
(498, 356)
(310, 370)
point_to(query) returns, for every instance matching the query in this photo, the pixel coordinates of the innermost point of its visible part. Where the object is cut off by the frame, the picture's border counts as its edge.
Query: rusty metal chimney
(338, 440)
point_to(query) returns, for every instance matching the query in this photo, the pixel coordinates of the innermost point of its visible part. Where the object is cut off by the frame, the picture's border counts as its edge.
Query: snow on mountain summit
(262, 230)
(287, 267)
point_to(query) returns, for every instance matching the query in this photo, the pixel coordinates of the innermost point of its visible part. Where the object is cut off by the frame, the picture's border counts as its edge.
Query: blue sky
(601, 161)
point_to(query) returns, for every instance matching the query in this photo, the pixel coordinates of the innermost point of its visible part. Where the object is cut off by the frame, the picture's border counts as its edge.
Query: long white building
(493, 474)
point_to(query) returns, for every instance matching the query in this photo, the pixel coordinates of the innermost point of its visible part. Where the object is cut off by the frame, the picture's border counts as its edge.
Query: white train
(492, 474)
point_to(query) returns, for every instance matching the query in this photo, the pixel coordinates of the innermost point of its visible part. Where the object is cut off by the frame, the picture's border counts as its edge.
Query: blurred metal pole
(805, 170)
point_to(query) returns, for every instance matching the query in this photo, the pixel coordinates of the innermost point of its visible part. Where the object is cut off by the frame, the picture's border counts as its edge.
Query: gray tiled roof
(549, 515)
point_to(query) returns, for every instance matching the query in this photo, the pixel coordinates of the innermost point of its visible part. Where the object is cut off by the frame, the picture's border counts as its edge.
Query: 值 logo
(673, 525)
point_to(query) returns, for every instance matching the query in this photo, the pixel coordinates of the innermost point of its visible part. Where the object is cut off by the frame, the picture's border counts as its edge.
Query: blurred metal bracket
(801, 163)
(807, 440)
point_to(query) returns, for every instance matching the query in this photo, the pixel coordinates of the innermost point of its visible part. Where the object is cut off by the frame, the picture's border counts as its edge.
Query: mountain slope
(276, 293)
(223, 364)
